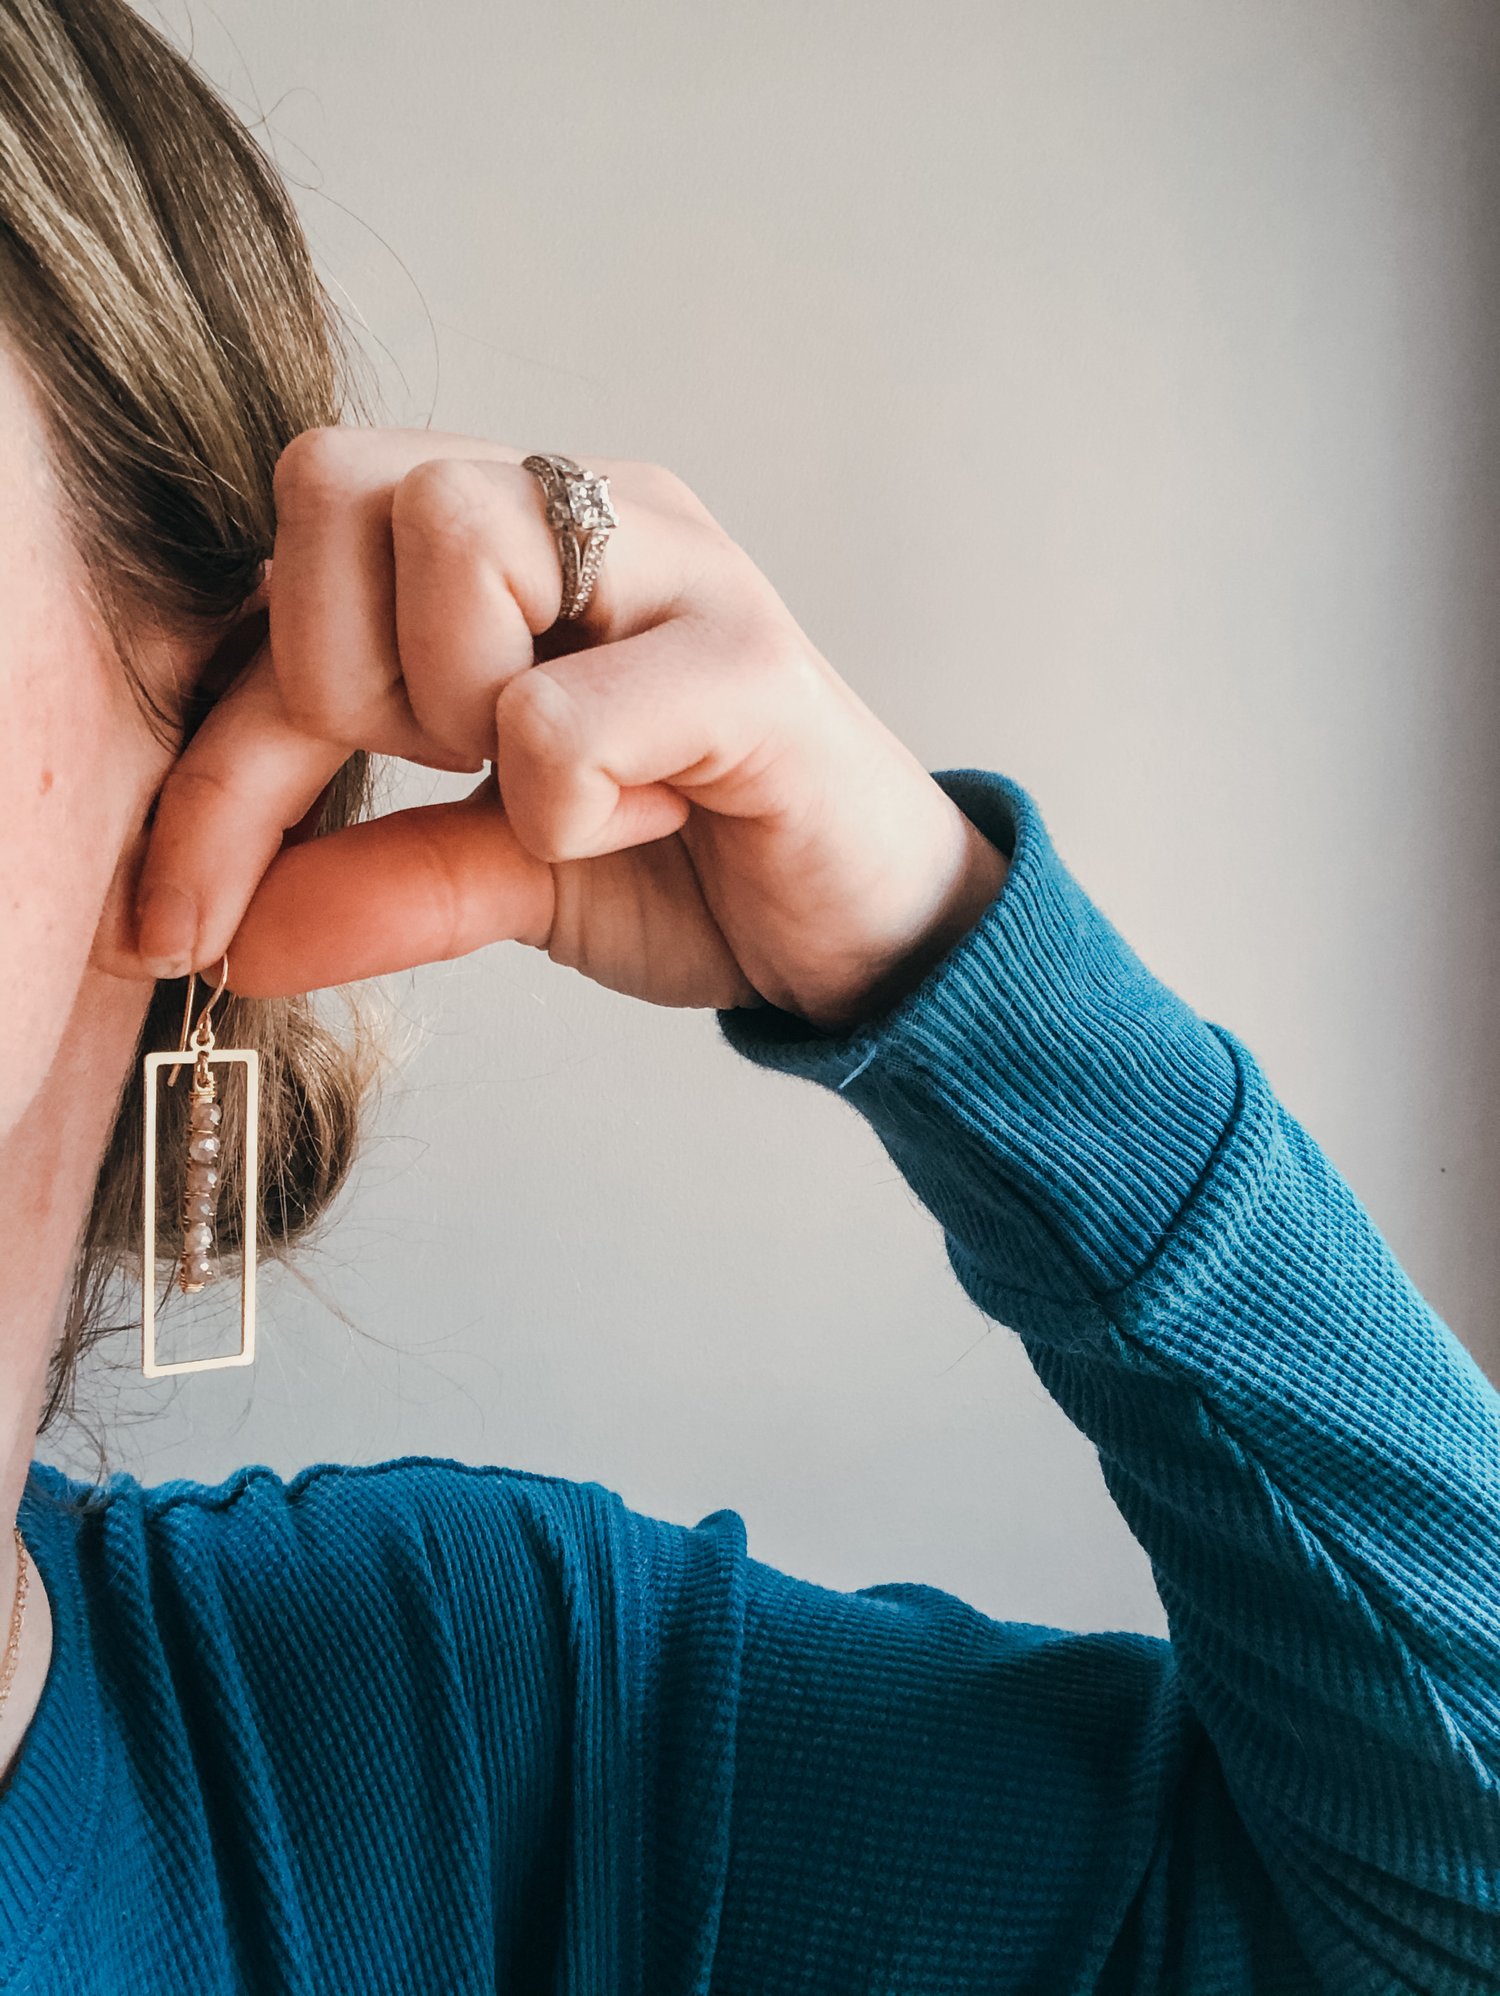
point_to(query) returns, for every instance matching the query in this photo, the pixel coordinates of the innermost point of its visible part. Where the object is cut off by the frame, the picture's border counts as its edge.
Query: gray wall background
(1170, 321)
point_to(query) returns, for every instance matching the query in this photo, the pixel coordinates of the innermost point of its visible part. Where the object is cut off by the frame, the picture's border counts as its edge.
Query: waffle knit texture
(435, 1726)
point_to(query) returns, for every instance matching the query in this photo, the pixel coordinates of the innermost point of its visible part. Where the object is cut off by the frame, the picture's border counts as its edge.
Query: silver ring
(581, 517)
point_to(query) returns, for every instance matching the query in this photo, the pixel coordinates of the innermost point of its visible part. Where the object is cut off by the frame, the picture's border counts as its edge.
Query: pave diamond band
(581, 517)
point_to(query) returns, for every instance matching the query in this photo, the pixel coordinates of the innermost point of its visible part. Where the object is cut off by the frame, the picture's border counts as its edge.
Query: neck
(49, 1161)
(48, 1165)
(34, 1657)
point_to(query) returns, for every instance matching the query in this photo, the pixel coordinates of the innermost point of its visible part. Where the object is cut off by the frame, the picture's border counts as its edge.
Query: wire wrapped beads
(196, 1265)
(197, 1258)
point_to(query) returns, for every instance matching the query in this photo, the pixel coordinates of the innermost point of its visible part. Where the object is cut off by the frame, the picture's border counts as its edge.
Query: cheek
(76, 771)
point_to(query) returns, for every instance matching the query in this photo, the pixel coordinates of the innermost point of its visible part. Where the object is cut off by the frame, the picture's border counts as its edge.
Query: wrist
(979, 879)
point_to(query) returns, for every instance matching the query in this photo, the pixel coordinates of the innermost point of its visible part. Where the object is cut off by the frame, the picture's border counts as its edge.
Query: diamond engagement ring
(580, 515)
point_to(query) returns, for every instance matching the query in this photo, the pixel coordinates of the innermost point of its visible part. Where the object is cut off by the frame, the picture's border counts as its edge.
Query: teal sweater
(430, 1726)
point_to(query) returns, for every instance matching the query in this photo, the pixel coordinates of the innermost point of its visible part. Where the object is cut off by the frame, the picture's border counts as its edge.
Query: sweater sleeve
(1302, 1789)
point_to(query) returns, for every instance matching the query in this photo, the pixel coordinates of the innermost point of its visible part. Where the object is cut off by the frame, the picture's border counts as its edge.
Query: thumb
(416, 886)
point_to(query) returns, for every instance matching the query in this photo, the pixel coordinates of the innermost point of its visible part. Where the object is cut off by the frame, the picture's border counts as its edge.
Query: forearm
(1305, 1451)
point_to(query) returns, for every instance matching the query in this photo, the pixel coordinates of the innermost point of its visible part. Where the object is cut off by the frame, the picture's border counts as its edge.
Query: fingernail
(166, 930)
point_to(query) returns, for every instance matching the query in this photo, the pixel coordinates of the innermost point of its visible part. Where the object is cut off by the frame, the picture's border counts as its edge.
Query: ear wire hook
(203, 1016)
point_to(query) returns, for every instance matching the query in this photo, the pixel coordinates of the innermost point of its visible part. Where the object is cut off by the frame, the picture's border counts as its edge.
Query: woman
(427, 1726)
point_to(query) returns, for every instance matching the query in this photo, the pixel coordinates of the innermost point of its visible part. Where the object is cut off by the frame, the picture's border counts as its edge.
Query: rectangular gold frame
(249, 1059)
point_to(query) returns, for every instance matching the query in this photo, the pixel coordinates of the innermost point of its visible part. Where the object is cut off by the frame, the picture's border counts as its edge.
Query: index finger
(248, 776)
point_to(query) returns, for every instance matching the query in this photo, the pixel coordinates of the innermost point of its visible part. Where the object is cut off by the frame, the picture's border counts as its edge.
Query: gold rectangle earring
(203, 1175)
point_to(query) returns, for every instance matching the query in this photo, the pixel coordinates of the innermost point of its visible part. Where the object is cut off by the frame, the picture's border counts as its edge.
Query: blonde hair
(158, 292)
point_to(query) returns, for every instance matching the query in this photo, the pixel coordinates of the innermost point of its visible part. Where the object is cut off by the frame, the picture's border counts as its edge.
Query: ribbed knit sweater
(435, 1726)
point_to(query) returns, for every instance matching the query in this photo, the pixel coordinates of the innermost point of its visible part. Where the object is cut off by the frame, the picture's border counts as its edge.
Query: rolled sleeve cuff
(1049, 1099)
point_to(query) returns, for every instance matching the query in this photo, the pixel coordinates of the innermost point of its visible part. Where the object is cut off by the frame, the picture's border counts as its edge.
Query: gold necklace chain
(18, 1615)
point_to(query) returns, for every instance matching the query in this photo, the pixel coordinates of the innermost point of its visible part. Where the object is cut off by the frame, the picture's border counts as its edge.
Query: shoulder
(426, 1592)
(505, 1541)
(415, 1517)
(339, 1515)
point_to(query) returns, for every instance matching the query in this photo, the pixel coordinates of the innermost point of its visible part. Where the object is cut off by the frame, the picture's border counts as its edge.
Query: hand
(686, 803)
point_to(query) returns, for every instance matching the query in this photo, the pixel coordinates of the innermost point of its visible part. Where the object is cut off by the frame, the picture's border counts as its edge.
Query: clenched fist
(680, 797)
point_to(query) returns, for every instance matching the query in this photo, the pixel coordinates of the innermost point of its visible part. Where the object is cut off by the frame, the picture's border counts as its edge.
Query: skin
(676, 795)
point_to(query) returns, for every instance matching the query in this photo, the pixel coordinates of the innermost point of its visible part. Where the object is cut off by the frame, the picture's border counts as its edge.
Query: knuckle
(658, 478)
(312, 712)
(769, 650)
(442, 501)
(536, 713)
(318, 465)
(776, 648)
(310, 703)
(734, 594)
(537, 734)
(186, 780)
(716, 571)
(662, 487)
